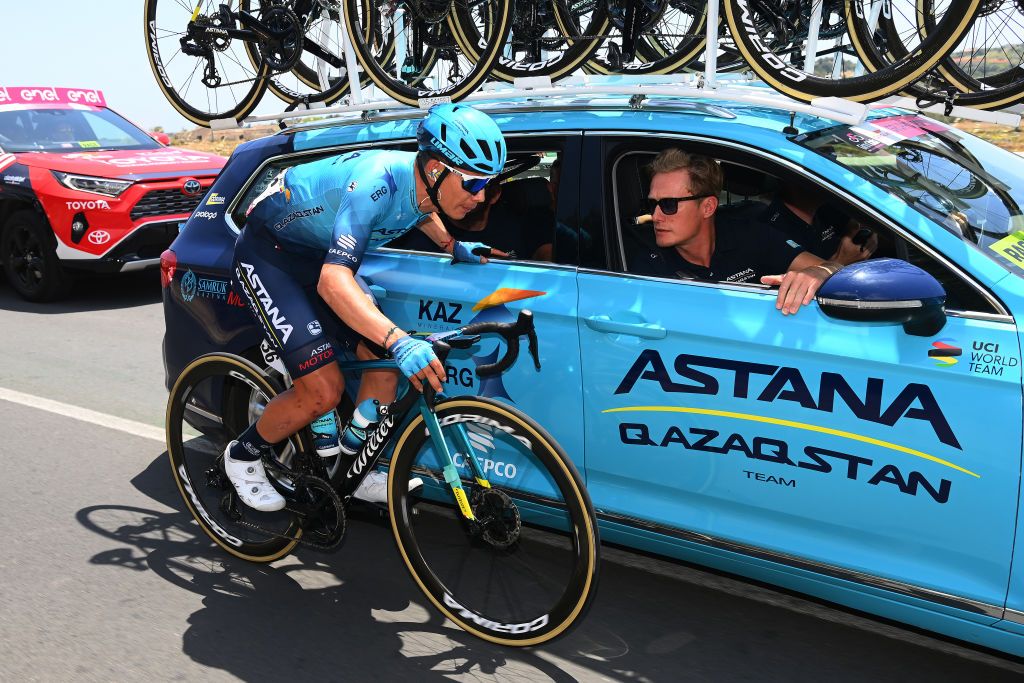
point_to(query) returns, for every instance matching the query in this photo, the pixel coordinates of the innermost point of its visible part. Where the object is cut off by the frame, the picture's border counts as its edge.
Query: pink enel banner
(41, 95)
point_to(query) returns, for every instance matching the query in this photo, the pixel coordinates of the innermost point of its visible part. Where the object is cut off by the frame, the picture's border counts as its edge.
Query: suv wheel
(30, 261)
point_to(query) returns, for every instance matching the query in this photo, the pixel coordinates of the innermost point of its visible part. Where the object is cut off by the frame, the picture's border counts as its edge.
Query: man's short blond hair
(705, 173)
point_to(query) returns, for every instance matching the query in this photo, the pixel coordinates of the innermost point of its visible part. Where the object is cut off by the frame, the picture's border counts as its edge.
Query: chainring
(283, 52)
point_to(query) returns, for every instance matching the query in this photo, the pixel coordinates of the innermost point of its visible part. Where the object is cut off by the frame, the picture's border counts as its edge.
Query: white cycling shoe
(250, 481)
(374, 488)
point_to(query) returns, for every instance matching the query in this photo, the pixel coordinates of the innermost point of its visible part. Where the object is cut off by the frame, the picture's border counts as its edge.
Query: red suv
(81, 188)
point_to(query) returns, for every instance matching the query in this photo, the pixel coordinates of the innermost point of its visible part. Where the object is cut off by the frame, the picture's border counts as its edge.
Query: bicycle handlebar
(510, 332)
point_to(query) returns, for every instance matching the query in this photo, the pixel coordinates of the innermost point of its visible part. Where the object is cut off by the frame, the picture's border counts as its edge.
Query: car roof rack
(587, 88)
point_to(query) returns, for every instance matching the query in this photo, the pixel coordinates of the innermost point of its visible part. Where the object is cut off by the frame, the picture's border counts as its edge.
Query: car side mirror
(886, 290)
(162, 138)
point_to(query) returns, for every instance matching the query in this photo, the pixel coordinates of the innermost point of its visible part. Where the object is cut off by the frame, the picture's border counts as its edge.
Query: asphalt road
(106, 578)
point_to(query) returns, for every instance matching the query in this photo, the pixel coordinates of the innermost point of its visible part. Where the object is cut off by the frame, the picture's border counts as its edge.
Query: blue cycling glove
(412, 355)
(462, 252)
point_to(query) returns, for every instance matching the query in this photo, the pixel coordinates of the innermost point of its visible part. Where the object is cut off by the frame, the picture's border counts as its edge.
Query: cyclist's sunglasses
(470, 183)
(669, 205)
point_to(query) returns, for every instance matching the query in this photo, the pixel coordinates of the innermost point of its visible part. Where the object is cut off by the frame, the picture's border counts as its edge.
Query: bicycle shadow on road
(356, 614)
(91, 293)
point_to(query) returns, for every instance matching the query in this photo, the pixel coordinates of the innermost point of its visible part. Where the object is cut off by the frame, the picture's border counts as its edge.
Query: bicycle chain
(335, 539)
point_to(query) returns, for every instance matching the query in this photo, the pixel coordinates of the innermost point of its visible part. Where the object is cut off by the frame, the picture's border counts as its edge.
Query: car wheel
(30, 260)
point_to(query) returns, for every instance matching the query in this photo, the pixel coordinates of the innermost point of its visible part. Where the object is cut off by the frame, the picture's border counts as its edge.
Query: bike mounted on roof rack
(708, 86)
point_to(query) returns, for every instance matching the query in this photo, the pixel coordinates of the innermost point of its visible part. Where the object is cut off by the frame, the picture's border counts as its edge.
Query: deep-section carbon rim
(513, 590)
(207, 408)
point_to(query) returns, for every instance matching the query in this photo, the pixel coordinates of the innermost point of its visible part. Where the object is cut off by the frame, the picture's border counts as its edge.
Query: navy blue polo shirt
(821, 237)
(744, 252)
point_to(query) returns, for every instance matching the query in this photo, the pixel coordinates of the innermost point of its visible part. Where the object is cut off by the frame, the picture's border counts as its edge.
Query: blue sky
(88, 44)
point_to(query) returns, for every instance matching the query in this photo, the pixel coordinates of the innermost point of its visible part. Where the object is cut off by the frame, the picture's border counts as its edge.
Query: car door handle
(602, 323)
(379, 293)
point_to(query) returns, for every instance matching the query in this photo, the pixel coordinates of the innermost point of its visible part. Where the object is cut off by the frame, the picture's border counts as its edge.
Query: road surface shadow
(356, 614)
(91, 293)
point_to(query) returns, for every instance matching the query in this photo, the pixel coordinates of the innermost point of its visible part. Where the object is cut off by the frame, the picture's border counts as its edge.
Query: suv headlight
(85, 183)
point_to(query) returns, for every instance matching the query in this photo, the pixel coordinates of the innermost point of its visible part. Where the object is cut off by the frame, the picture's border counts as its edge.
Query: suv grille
(164, 203)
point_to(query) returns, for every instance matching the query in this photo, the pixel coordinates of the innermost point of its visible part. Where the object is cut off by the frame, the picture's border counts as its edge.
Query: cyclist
(296, 263)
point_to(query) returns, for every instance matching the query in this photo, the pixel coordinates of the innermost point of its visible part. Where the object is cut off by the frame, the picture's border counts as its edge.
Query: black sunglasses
(669, 205)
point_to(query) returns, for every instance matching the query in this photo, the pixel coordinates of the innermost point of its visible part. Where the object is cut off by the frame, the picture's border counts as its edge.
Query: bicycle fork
(447, 462)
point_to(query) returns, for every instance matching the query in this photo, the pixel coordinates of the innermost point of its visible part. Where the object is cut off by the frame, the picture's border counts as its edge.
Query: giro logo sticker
(99, 237)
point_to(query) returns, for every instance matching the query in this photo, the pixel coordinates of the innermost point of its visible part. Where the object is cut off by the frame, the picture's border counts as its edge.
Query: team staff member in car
(296, 262)
(800, 212)
(683, 199)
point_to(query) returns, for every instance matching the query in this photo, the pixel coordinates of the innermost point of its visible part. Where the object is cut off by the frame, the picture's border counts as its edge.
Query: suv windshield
(968, 186)
(60, 130)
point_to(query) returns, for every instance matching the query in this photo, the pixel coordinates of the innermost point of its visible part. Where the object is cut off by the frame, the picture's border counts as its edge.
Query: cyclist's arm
(434, 229)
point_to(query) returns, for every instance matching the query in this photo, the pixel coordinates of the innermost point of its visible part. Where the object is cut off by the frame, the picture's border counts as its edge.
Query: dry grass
(219, 142)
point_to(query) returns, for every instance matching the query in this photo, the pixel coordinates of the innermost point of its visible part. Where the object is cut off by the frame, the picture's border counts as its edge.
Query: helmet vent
(486, 149)
(466, 149)
(444, 132)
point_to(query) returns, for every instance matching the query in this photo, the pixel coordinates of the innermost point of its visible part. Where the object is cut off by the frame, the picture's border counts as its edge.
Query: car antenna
(791, 129)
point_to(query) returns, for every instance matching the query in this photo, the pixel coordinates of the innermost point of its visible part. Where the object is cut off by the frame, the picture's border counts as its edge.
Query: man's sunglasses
(470, 183)
(669, 205)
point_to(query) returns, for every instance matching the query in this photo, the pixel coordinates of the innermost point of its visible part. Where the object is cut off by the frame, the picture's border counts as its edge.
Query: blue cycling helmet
(464, 137)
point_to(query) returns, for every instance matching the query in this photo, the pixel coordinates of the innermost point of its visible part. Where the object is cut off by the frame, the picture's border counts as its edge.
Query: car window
(518, 214)
(61, 130)
(970, 187)
(261, 180)
(749, 186)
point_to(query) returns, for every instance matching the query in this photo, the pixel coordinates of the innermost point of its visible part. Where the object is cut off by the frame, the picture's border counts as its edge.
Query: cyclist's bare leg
(379, 384)
(309, 397)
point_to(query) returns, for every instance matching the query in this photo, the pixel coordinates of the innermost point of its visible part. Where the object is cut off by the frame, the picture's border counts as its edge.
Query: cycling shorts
(280, 288)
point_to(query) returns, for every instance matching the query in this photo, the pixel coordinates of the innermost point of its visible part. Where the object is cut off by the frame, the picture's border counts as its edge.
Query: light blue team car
(866, 450)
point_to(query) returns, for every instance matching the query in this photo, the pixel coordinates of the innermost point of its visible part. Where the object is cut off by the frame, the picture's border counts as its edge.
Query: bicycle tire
(178, 87)
(204, 392)
(990, 91)
(409, 93)
(302, 82)
(654, 56)
(890, 78)
(560, 535)
(508, 69)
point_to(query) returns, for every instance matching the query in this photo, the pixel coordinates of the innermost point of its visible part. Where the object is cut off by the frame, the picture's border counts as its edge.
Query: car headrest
(525, 194)
(746, 182)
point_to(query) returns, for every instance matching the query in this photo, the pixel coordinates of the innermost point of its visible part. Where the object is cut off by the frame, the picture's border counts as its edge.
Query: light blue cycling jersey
(341, 206)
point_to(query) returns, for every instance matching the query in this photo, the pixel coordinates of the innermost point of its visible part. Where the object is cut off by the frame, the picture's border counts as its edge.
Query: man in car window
(800, 211)
(683, 199)
(296, 260)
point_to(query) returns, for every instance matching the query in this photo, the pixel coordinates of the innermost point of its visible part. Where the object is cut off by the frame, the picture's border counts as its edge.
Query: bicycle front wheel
(526, 569)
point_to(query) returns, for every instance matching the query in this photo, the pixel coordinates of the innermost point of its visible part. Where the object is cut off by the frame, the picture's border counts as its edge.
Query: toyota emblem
(192, 187)
(99, 237)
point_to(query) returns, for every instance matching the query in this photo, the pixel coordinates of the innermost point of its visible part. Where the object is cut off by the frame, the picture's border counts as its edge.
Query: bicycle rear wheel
(777, 50)
(223, 85)
(431, 62)
(529, 570)
(214, 399)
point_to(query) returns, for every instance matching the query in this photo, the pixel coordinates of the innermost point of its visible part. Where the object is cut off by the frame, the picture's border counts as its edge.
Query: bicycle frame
(394, 415)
